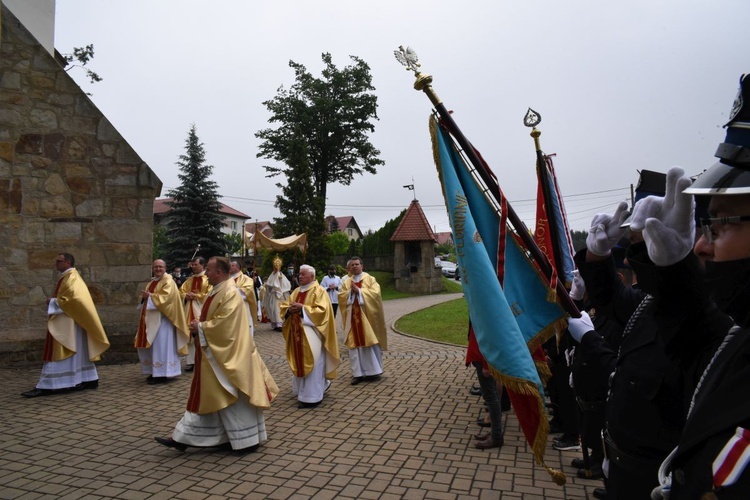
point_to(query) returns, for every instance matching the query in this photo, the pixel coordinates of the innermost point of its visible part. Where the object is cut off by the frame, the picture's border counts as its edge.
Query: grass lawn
(446, 322)
(385, 280)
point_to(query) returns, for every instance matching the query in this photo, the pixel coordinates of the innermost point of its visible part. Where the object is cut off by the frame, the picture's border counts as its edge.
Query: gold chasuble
(226, 330)
(74, 299)
(319, 311)
(198, 284)
(364, 324)
(245, 283)
(166, 297)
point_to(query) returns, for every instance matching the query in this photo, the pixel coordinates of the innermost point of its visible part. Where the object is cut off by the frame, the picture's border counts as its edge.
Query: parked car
(448, 268)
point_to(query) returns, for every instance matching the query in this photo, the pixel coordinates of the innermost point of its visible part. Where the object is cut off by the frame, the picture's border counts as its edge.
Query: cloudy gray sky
(621, 86)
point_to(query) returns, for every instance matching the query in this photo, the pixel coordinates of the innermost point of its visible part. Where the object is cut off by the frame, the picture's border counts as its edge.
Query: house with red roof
(234, 220)
(346, 224)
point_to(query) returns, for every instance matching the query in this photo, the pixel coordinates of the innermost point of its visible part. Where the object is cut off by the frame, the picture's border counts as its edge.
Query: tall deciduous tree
(195, 216)
(334, 116)
(322, 138)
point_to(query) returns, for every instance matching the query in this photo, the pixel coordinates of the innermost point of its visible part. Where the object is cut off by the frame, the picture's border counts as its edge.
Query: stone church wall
(68, 183)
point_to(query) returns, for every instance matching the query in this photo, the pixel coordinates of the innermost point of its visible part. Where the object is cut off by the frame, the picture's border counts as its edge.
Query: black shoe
(482, 423)
(595, 472)
(189, 368)
(577, 463)
(171, 443)
(35, 393)
(278, 329)
(357, 380)
(371, 378)
(302, 404)
(567, 443)
(91, 384)
(475, 390)
(157, 380)
(600, 493)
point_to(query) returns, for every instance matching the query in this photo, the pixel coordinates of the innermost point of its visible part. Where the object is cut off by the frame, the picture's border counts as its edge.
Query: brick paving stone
(408, 436)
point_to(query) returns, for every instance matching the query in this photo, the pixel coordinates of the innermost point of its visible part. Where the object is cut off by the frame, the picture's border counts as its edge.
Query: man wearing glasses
(75, 336)
(711, 458)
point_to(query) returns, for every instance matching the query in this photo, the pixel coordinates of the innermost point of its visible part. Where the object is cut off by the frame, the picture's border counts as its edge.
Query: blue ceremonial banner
(475, 225)
(512, 320)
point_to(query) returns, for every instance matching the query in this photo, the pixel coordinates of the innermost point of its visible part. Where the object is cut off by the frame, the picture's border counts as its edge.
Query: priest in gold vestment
(162, 333)
(246, 287)
(312, 349)
(194, 291)
(75, 335)
(364, 322)
(231, 385)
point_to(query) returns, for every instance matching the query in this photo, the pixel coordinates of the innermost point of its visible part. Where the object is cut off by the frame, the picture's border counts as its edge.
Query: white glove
(668, 223)
(578, 288)
(578, 327)
(605, 231)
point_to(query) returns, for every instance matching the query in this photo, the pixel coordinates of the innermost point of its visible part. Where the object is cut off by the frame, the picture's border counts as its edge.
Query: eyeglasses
(710, 226)
(59, 261)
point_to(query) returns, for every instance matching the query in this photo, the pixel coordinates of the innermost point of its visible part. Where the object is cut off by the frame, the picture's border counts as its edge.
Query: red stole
(358, 331)
(194, 400)
(49, 340)
(141, 340)
(195, 286)
(297, 332)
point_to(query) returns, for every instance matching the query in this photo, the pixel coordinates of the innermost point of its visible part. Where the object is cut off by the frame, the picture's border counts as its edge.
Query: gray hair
(305, 267)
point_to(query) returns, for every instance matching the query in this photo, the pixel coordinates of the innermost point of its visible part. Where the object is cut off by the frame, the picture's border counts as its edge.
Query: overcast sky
(620, 86)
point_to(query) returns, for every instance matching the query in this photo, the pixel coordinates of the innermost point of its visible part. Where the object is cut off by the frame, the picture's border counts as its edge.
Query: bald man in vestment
(312, 349)
(231, 385)
(162, 334)
(75, 335)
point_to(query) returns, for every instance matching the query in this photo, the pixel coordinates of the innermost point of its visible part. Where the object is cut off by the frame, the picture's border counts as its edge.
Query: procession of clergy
(210, 320)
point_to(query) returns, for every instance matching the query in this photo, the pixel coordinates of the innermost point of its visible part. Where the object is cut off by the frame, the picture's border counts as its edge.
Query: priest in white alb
(246, 287)
(231, 385)
(312, 349)
(163, 333)
(364, 322)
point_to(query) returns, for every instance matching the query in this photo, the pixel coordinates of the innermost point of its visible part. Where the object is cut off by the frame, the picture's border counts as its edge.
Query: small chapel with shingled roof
(414, 260)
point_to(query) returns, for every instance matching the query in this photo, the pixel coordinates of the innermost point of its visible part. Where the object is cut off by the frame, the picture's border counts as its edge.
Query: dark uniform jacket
(647, 400)
(722, 404)
(722, 401)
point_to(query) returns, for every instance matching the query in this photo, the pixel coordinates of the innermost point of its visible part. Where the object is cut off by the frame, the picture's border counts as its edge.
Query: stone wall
(68, 183)
(423, 277)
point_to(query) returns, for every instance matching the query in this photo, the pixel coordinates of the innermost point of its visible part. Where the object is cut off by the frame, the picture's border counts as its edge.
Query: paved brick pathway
(407, 436)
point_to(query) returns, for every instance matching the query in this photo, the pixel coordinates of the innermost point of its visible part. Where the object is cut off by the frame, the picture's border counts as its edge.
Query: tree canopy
(332, 115)
(322, 137)
(194, 218)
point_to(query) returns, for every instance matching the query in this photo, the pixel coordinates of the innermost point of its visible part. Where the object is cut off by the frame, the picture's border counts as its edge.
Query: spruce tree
(195, 217)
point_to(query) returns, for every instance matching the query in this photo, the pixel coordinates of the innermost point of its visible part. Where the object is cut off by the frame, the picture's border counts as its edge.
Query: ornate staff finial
(532, 118)
(408, 57)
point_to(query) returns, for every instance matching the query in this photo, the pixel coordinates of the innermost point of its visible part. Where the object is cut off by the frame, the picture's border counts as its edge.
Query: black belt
(598, 406)
(628, 462)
